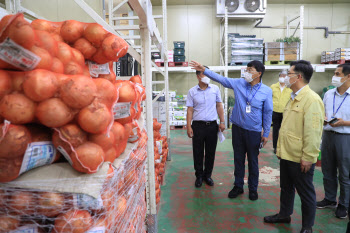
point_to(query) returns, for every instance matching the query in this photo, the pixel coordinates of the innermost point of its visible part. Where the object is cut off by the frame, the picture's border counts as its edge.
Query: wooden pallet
(174, 127)
(178, 64)
(267, 63)
(336, 62)
(173, 64)
(238, 63)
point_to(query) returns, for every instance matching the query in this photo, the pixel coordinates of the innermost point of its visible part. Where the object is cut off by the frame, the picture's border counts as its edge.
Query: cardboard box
(172, 104)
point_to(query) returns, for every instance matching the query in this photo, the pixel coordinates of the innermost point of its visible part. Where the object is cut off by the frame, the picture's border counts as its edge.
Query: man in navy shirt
(251, 121)
(203, 107)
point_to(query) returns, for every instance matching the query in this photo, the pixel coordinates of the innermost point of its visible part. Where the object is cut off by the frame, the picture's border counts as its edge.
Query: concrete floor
(184, 208)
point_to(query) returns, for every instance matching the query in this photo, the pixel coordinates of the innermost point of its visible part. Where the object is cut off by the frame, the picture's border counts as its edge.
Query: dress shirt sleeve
(226, 82)
(189, 101)
(313, 126)
(218, 95)
(267, 114)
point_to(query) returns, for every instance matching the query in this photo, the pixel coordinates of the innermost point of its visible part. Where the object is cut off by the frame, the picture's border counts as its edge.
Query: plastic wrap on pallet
(112, 200)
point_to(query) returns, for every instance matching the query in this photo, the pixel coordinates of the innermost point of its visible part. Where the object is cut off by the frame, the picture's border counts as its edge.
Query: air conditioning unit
(241, 9)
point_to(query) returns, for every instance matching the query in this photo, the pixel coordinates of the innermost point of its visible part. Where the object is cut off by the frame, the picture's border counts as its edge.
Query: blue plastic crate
(179, 52)
(179, 58)
(179, 44)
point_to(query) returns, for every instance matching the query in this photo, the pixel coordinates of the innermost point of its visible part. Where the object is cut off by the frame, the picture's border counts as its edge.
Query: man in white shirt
(204, 104)
(336, 143)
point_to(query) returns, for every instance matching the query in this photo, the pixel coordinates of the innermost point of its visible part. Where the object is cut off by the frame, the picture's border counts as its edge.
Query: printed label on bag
(97, 230)
(121, 110)
(26, 229)
(160, 146)
(65, 154)
(97, 69)
(38, 154)
(85, 201)
(135, 136)
(18, 56)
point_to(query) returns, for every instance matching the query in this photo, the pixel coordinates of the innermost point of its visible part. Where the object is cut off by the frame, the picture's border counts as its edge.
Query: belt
(334, 132)
(205, 122)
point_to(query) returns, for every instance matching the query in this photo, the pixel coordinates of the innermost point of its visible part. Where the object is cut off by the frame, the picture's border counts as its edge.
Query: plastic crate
(179, 44)
(179, 58)
(179, 52)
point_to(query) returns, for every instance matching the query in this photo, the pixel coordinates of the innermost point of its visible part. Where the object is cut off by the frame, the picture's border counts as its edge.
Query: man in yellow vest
(280, 97)
(298, 146)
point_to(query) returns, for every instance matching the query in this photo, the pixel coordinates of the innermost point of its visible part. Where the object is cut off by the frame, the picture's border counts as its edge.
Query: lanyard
(249, 101)
(339, 105)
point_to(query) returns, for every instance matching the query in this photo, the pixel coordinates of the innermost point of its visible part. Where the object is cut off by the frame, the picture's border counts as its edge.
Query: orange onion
(54, 113)
(17, 108)
(57, 65)
(106, 92)
(23, 202)
(14, 143)
(126, 91)
(73, 221)
(21, 32)
(46, 58)
(65, 53)
(9, 222)
(95, 33)
(95, 118)
(17, 80)
(5, 83)
(72, 68)
(40, 85)
(50, 204)
(78, 91)
(88, 158)
(85, 47)
(72, 30)
(71, 133)
(10, 168)
(103, 140)
(46, 41)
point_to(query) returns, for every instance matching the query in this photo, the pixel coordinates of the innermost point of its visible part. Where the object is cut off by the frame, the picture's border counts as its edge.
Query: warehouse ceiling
(212, 2)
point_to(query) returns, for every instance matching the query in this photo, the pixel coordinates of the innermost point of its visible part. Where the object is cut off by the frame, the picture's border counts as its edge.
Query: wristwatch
(222, 122)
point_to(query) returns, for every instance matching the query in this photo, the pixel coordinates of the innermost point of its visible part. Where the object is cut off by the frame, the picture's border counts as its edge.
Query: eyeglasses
(291, 73)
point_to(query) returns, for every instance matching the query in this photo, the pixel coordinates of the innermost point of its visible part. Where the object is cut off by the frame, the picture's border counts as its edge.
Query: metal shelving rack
(148, 33)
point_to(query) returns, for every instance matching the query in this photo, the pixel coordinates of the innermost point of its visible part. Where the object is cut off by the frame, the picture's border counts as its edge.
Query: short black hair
(304, 68)
(258, 66)
(199, 72)
(346, 68)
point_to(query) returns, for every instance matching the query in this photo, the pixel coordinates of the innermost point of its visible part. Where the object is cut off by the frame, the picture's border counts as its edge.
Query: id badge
(248, 109)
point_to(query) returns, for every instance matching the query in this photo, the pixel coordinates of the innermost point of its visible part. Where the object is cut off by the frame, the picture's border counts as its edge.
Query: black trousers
(292, 178)
(204, 141)
(276, 121)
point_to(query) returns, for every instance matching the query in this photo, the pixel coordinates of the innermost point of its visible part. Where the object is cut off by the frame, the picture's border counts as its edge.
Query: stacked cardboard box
(170, 57)
(326, 56)
(342, 54)
(281, 51)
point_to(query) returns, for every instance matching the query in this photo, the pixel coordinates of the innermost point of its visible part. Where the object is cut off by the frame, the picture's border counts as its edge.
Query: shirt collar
(347, 91)
(293, 96)
(199, 88)
(255, 86)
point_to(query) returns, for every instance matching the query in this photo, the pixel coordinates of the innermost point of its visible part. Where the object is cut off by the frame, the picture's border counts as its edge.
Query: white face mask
(205, 80)
(286, 81)
(248, 77)
(281, 80)
(336, 81)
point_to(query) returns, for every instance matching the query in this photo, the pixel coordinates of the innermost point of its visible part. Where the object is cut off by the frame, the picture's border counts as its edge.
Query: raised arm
(226, 82)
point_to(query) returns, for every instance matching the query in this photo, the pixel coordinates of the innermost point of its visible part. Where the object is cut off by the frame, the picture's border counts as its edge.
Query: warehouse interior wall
(198, 26)
(60, 10)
